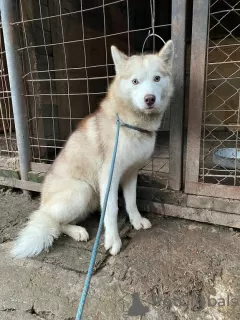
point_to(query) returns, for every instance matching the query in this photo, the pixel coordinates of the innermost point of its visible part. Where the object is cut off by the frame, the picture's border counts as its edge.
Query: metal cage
(59, 66)
(213, 162)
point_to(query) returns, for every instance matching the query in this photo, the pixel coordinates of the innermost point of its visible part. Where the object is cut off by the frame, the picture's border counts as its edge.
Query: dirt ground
(178, 270)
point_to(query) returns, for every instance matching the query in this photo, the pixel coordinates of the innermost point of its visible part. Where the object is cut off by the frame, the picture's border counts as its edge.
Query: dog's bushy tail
(37, 236)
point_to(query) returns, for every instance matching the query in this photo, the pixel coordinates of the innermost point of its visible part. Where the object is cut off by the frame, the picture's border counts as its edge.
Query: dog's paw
(141, 223)
(113, 244)
(78, 233)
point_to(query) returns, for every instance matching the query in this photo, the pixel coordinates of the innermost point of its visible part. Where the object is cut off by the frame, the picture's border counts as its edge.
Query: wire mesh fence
(220, 140)
(8, 146)
(67, 66)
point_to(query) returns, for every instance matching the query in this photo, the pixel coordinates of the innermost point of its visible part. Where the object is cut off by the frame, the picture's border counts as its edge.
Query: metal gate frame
(196, 98)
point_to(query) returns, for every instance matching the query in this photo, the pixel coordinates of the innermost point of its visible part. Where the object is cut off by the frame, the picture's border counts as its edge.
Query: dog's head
(144, 81)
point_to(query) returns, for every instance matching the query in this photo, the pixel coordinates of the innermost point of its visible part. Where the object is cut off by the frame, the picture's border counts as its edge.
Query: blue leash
(96, 243)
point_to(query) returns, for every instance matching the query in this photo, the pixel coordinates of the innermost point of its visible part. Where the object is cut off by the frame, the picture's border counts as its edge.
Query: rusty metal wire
(221, 122)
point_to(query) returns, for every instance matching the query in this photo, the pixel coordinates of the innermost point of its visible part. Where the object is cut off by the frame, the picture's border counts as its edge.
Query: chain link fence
(220, 143)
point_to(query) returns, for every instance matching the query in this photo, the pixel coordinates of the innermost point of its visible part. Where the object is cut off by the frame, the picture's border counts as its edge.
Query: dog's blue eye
(157, 79)
(135, 81)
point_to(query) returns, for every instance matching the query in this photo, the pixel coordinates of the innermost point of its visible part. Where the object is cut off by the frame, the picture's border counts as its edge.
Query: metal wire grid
(8, 147)
(65, 50)
(221, 122)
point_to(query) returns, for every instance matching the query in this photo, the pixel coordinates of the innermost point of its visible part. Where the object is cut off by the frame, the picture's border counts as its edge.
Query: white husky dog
(76, 183)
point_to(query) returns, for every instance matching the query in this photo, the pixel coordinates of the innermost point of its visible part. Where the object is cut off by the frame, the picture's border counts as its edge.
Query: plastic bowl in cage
(228, 158)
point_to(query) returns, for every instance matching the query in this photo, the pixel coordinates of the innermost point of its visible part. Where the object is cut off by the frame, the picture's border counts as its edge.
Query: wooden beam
(200, 215)
(196, 91)
(177, 105)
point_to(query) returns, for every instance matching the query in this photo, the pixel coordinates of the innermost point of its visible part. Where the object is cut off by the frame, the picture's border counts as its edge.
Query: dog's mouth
(149, 108)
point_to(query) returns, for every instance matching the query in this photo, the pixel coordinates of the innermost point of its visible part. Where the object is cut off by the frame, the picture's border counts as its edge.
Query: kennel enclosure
(56, 66)
(64, 51)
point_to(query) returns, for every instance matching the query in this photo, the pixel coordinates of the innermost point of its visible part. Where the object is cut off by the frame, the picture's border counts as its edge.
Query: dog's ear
(167, 53)
(119, 58)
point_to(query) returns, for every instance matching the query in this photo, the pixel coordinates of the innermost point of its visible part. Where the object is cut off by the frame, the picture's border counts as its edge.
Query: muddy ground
(177, 270)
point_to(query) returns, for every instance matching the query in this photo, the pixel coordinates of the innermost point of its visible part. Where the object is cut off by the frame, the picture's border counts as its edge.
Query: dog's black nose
(149, 99)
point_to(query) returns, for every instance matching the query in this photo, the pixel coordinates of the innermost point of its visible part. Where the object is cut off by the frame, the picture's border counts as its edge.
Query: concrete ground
(178, 270)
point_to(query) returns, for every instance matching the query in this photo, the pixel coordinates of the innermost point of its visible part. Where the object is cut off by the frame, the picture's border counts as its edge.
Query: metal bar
(196, 90)
(177, 106)
(8, 11)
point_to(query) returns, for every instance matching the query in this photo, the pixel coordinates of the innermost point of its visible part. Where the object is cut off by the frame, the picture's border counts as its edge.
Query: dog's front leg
(129, 185)
(113, 242)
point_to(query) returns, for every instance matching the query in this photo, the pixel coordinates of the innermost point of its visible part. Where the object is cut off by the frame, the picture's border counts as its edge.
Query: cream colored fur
(76, 182)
